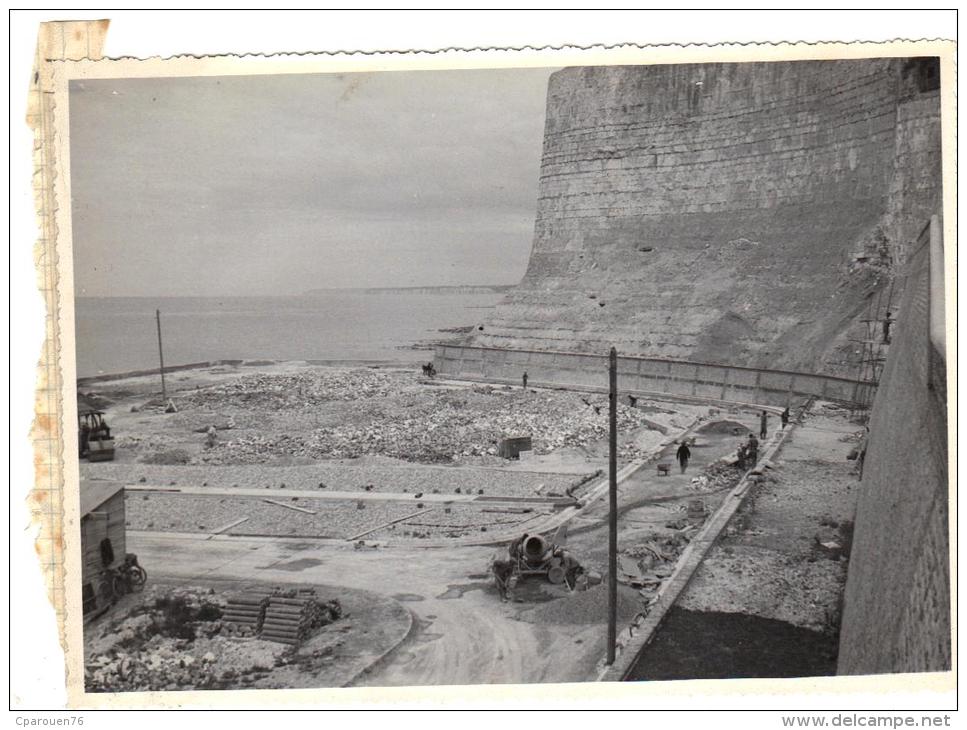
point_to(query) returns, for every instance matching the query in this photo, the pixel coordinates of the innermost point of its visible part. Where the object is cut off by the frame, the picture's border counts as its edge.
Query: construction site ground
(421, 535)
(370, 625)
(766, 601)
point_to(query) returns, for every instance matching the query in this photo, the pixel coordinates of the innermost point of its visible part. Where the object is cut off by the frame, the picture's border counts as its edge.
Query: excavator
(94, 439)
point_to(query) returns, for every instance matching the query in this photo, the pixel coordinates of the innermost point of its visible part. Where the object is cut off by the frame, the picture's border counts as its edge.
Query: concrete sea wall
(736, 213)
(643, 376)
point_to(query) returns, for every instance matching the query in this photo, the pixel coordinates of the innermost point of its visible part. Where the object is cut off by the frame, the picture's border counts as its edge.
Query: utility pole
(161, 357)
(613, 511)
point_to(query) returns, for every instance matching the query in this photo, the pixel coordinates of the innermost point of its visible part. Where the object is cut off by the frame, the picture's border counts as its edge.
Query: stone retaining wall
(896, 614)
(643, 375)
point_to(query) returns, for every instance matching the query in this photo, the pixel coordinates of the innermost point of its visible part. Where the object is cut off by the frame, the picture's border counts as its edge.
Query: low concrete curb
(380, 660)
(633, 639)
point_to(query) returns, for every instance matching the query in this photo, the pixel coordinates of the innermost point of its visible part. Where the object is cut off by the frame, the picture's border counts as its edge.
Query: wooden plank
(290, 506)
(229, 526)
(387, 524)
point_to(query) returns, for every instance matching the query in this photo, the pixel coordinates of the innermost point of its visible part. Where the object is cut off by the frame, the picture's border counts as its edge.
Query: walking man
(763, 420)
(683, 454)
(524, 379)
(784, 417)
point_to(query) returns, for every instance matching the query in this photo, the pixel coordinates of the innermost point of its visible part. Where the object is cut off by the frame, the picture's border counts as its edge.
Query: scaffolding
(879, 318)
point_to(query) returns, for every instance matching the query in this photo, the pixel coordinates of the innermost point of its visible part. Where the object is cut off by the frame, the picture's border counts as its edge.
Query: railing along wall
(649, 375)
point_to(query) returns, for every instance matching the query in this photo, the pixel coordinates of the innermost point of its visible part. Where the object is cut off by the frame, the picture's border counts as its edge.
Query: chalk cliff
(734, 213)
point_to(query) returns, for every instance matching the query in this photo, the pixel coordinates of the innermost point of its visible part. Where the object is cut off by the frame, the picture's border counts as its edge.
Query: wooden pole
(613, 511)
(161, 357)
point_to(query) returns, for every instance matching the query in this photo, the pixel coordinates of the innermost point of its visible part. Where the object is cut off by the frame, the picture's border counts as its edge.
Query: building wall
(896, 614)
(712, 212)
(107, 520)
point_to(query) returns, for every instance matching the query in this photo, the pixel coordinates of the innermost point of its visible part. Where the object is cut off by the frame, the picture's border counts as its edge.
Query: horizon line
(289, 296)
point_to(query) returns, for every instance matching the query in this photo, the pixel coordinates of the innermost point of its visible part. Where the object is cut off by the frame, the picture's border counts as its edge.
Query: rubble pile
(411, 423)
(646, 565)
(276, 392)
(177, 639)
(159, 645)
(717, 477)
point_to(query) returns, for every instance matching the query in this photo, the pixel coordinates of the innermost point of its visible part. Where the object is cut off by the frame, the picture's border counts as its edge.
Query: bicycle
(129, 577)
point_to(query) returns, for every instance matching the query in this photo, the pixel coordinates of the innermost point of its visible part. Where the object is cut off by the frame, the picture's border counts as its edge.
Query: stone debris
(350, 412)
(176, 639)
(646, 565)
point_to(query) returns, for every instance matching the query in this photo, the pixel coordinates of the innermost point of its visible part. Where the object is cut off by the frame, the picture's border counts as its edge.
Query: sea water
(119, 334)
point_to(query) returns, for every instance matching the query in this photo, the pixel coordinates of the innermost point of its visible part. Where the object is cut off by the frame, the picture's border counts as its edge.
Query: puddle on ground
(456, 590)
(295, 565)
(297, 547)
(408, 597)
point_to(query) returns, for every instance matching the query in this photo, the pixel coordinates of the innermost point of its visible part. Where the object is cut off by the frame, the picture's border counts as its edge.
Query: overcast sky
(264, 185)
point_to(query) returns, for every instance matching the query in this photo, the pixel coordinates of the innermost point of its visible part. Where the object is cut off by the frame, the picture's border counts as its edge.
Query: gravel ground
(342, 476)
(769, 561)
(584, 607)
(188, 513)
(460, 521)
(770, 584)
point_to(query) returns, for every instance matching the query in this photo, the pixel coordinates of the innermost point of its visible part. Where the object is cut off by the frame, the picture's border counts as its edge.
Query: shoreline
(84, 380)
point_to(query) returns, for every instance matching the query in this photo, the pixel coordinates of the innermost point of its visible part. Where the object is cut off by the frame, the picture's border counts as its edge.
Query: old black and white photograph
(622, 371)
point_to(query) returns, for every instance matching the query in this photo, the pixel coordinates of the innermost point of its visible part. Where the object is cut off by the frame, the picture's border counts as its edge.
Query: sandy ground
(463, 634)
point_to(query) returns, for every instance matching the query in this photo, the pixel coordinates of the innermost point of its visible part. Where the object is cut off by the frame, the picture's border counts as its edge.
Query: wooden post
(613, 508)
(161, 357)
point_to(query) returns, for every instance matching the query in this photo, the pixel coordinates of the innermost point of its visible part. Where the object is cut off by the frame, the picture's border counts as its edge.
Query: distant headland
(459, 289)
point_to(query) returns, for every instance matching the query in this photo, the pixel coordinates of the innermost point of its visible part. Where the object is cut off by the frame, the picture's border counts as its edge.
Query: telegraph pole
(161, 357)
(613, 504)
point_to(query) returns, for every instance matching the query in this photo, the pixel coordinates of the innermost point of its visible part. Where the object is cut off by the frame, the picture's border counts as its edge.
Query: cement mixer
(533, 555)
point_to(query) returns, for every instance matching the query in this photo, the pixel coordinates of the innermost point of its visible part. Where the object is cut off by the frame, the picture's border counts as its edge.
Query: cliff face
(715, 212)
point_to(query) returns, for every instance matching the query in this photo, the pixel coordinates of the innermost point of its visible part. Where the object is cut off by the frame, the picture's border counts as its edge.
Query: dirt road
(462, 635)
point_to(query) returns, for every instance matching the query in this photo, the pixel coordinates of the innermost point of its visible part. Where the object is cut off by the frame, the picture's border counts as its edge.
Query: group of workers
(748, 452)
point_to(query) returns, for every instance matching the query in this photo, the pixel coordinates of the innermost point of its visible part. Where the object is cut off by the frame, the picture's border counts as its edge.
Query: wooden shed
(103, 541)
(511, 446)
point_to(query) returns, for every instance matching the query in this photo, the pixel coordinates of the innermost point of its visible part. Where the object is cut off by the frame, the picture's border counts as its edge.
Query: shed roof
(95, 492)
